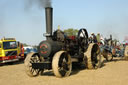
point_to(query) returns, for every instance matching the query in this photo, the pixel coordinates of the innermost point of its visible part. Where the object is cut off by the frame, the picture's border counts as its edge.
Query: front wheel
(62, 64)
(31, 58)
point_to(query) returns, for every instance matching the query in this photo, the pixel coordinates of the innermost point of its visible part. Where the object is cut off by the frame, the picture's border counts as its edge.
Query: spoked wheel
(62, 64)
(109, 56)
(114, 51)
(93, 56)
(83, 38)
(31, 58)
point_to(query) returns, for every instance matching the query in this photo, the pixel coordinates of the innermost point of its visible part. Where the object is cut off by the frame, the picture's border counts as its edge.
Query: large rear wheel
(93, 54)
(126, 52)
(31, 58)
(109, 56)
(62, 64)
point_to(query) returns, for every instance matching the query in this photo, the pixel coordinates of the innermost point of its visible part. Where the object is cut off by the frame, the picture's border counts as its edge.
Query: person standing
(98, 38)
(94, 39)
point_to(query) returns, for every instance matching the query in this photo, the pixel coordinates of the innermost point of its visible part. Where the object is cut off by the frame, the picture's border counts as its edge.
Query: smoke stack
(48, 13)
(111, 37)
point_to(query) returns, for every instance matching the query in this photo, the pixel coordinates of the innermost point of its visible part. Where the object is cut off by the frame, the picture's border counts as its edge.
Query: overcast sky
(27, 23)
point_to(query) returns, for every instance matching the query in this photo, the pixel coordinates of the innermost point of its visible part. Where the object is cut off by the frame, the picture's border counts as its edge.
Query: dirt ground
(112, 73)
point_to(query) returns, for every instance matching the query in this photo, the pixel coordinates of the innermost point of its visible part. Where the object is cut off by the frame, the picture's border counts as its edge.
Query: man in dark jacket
(94, 40)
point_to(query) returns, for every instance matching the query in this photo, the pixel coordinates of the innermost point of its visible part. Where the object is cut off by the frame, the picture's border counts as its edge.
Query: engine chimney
(48, 14)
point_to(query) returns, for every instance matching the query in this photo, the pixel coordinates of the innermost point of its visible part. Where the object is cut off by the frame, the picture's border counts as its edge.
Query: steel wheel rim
(96, 57)
(33, 59)
(109, 56)
(64, 64)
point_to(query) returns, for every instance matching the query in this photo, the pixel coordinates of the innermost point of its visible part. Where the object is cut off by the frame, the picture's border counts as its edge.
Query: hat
(98, 33)
(92, 33)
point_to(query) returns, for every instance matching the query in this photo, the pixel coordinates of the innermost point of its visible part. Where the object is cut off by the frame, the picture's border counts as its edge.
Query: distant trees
(71, 31)
(25, 45)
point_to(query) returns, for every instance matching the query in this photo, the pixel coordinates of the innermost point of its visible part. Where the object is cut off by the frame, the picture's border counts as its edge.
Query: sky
(26, 22)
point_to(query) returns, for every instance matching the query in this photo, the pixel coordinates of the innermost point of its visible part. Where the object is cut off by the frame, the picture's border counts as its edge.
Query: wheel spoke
(32, 70)
(36, 70)
(32, 61)
(31, 58)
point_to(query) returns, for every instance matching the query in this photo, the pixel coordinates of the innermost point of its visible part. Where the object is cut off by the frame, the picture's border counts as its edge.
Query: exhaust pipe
(48, 14)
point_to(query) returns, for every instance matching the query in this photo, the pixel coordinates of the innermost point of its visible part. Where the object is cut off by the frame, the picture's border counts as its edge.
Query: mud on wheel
(93, 55)
(62, 64)
(31, 58)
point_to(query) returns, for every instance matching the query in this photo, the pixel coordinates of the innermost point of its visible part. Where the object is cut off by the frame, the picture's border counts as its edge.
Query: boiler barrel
(49, 48)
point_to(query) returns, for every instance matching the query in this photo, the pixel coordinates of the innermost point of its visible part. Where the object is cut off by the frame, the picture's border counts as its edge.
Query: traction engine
(59, 51)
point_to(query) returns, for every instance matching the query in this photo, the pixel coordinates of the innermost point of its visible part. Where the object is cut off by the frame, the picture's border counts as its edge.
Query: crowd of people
(110, 43)
(100, 40)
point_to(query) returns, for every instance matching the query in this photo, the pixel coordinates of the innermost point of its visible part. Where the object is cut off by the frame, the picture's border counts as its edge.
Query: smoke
(39, 3)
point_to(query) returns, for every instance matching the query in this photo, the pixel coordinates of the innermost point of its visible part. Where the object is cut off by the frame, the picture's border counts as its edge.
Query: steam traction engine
(59, 51)
(107, 49)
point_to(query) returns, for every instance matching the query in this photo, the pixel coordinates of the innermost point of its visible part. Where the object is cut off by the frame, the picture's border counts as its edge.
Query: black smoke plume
(39, 3)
